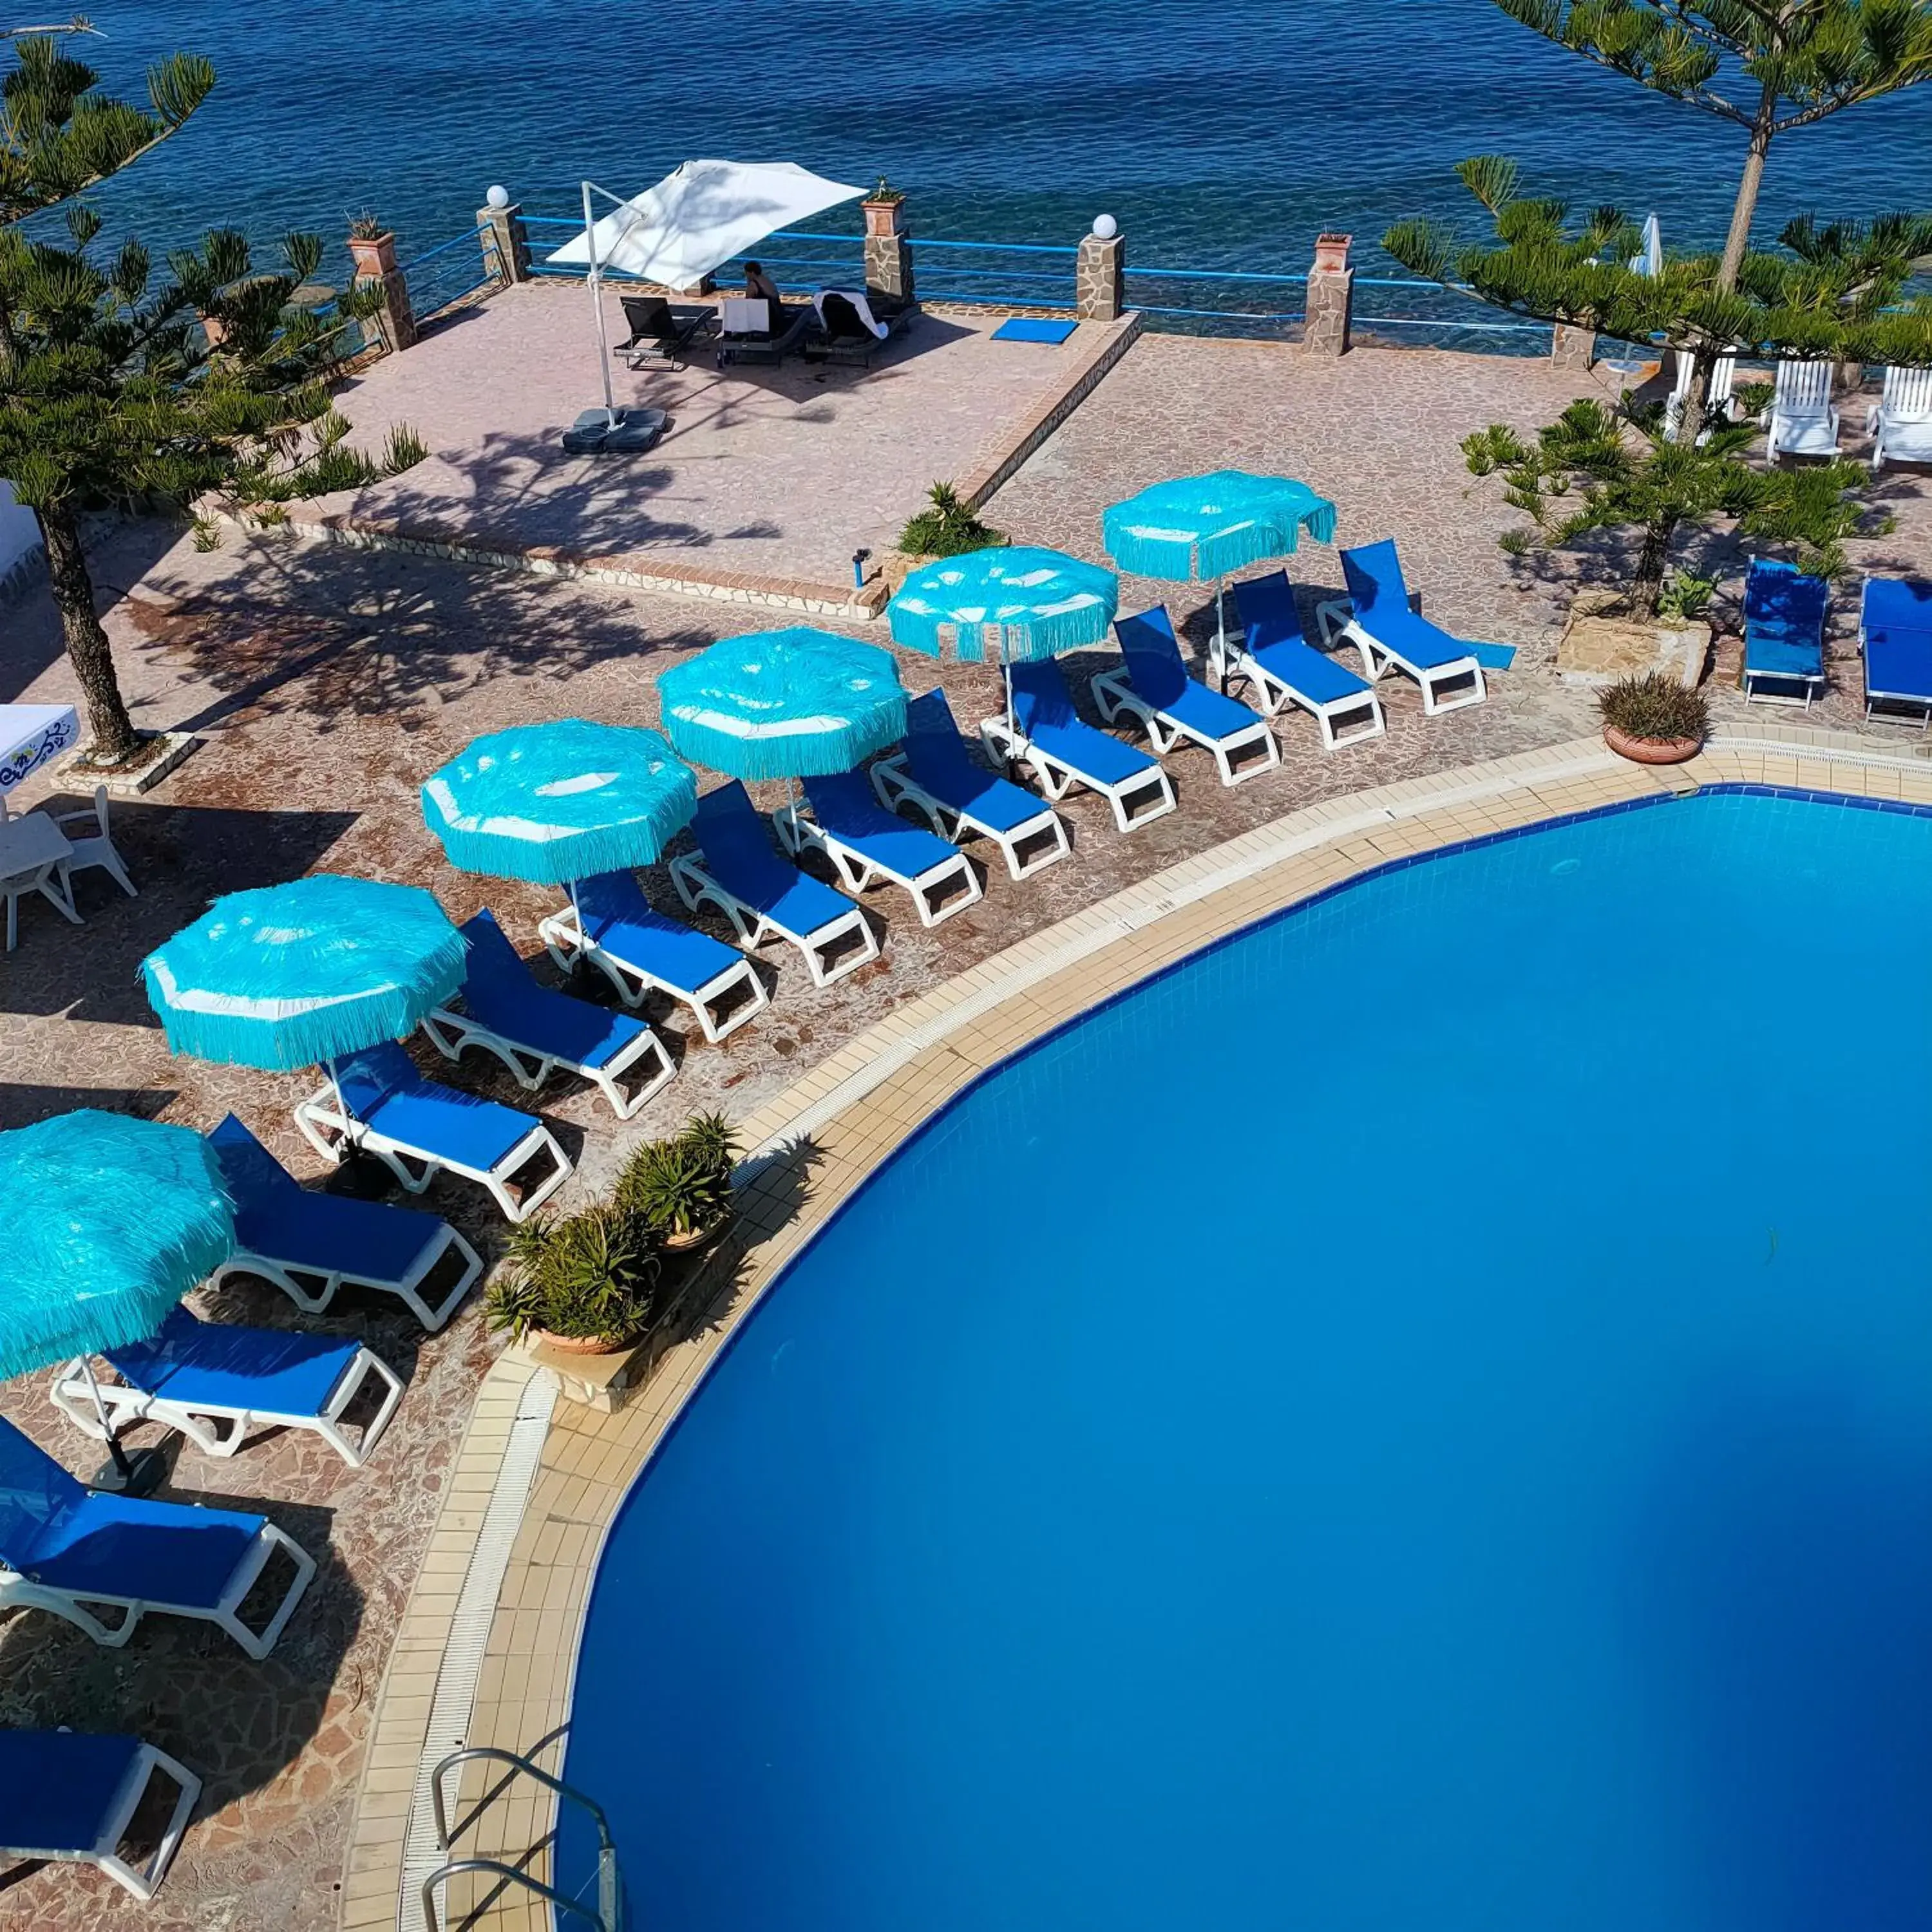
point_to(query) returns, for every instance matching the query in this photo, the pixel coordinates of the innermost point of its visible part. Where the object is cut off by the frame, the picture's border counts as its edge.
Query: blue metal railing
(455, 275)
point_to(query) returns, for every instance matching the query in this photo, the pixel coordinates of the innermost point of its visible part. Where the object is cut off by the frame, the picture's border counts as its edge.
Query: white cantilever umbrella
(695, 219)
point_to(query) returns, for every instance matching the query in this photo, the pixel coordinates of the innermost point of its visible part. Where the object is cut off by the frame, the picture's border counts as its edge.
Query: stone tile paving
(327, 683)
(739, 483)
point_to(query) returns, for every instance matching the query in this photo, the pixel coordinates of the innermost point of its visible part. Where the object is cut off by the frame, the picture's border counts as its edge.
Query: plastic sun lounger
(64, 1547)
(1895, 633)
(1281, 667)
(934, 775)
(609, 924)
(535, 1032)
(1900, 423)
(378, 1104)
(1784, 634)
(1378, 617)
(70, 1796)
(735, 869)
(1151, 684)
(659, 330)
(1801, 416)
(218, 1384)
(864, 844)
(311, 1245)
(749, 332)
(1048, 736)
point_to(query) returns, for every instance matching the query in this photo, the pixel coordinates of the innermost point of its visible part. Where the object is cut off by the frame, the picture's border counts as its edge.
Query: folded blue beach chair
(1048, 736)
(735, 869)
(933, 774)
(378, 1104)
(535, 1032)
(218, 1384)
(70, 1796)
(75, 1551)
(1784, 633)
(1895, 632)
(1273, 657)
(609, 924)
(864, 844)
(1151, 684)
(309, 1245)
(1377, 616)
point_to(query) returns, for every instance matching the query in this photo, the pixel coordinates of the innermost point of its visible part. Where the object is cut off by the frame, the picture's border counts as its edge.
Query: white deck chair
(95, 847)
(1801, 418)
(1723, 383)
(1900, 421)
(33, 853)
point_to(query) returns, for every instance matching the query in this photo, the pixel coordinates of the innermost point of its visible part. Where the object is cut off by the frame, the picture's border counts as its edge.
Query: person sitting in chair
(759, 286)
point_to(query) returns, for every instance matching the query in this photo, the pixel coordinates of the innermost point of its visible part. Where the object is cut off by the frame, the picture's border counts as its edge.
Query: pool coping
(447, 1685)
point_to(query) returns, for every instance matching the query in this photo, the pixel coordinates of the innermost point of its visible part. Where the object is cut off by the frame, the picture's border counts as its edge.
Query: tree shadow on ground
(21, 1105)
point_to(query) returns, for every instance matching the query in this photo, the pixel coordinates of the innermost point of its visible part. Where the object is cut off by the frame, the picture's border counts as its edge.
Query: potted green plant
(680, 1189)
(885, 209)
(582, 1282)
(1655, 719)
(372, 247)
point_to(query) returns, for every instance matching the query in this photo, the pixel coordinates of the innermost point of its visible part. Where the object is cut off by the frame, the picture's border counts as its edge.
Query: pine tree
(122, 389)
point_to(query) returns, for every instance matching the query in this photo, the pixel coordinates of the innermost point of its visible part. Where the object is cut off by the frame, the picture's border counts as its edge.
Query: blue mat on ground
(1033, 328)
(1493, 657)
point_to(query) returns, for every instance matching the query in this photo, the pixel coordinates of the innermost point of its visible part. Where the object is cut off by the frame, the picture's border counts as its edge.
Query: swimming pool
(1421, 1417)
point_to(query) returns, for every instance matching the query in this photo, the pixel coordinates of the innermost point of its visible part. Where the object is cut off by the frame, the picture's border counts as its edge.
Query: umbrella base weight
(614, 432)
(144, 1472)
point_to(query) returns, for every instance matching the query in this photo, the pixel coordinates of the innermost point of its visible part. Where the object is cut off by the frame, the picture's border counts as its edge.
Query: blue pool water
(1421, 1417)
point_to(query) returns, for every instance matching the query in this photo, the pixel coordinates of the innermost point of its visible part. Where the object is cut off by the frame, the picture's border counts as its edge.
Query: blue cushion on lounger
(275, 1370)
(1159, 677)
(1784, 621)
(498, 992)
(738, 855)
(616, 915)
(56, 1787)
(381, 1087)
(936, 757)
(845, 805)
(1272, 620)
(1380, 596)
(1043, 709)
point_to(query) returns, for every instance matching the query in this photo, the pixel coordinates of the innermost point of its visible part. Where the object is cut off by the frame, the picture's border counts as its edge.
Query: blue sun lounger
(863, 843)
(311, 1245)
(377, 1103)
(1151, 683)
(1784, 634)
(1895, 632)
(535, 1032)
(1275, 659)
(735, 869)
(1377, 616)
(609, 924)
(218, 1384)
(64, 1547)
(1048, 736)
(70, 1796)
(933, 774)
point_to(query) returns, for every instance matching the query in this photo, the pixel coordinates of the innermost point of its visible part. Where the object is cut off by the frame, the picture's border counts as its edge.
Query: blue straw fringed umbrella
(796, 704)
(109, 1221)
(296, 975)
(554, 803)
(1201, 530)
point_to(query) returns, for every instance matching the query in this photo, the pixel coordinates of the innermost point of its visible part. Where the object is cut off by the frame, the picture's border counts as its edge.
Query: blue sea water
(1220, 134)
(1420, 1417)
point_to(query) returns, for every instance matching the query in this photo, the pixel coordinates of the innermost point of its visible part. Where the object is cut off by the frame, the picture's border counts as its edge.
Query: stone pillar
(1100, 272)
(1331, 296)
(506, 246)
(1573, 347)
(375, 259)
(889, 282)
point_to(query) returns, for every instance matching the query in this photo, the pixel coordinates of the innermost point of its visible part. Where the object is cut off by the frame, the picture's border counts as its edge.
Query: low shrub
(948, 529)
(1655, 706)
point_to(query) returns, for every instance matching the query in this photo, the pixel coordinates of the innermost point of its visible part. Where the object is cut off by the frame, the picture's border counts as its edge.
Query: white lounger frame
(107, 1852)
(1813, 683)
(1337, 620)
(1136, 801)
(1113, 693)
(819, 948)
(1274, 694)
(450, 1030)
(939, 892)
(335, 1133)
(295, 1281)
(562, 933)
(18, 1592)
(1034, 843)
(73, 1393)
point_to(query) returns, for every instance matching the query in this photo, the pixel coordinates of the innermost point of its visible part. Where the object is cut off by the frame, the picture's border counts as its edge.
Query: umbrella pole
(1221, 628)
(597, 308)
(1006, 672)
(121, 1475)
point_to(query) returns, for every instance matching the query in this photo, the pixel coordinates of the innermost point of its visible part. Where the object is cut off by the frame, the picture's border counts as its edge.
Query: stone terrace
(327, 682)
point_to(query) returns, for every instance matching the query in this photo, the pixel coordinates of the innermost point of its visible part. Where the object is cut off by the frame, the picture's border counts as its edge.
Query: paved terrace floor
(327, 682)
(780, 471)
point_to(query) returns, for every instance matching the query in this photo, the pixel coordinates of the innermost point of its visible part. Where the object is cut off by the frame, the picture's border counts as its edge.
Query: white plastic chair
(34, 855)
(94, 848)
(1801, 419)
(1901, 420)
(1724, 381)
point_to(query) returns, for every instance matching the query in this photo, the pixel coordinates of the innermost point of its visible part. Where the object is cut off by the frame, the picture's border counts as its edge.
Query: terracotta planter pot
(678, 1244)
(884, 217)
(374, 256)
(1651, 751)
(1331, 252)
(580, 1345)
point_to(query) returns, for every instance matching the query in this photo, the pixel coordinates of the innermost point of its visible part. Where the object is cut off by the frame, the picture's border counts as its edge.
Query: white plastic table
(34, 850)
(31, 736)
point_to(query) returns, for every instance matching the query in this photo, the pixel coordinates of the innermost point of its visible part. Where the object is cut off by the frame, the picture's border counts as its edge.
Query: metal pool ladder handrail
(608, 1915)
